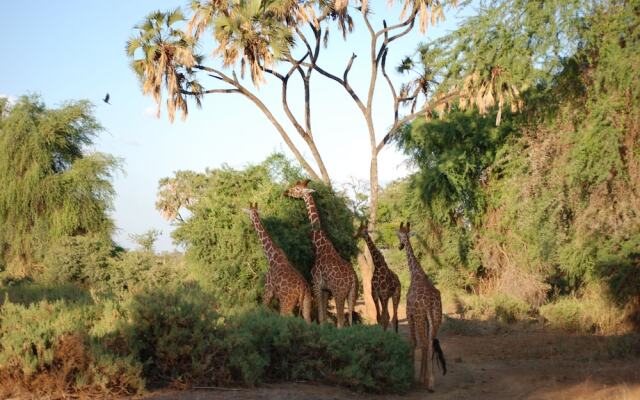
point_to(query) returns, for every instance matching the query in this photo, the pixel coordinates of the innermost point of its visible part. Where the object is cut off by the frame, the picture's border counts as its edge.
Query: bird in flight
(106, 99)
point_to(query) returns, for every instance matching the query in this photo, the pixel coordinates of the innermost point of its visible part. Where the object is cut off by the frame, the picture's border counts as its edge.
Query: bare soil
(487, 360)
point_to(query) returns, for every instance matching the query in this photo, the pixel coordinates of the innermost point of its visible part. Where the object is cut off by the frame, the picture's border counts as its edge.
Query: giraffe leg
(421, 328)
(429, 359)
(375, 297)
(317, 292)
(306, 306)
(384, 305)
(339, 311)
(412, 338)
(351, 300)
(396, 301)
(325, 305)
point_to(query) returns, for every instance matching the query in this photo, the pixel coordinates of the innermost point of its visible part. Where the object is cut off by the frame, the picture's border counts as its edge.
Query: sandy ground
(487, 361)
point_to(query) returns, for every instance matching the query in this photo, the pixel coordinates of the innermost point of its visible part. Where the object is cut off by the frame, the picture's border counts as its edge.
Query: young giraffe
(424, 312)
(282, 280)
(330, 272)
(385, 284)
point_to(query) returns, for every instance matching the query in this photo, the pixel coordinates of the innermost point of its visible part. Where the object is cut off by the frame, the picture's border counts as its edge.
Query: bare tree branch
(396, 101)
(210, 91)
(409, 20)
(265, 110)
(346, 70)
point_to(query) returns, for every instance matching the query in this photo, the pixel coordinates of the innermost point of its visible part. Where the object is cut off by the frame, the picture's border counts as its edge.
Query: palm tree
(164, 56)
(256, 32)
(484, 88)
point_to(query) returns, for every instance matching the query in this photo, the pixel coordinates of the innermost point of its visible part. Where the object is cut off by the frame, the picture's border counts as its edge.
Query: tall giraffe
(282, 280)
(424, 311)
(330, 272)
(385, 284)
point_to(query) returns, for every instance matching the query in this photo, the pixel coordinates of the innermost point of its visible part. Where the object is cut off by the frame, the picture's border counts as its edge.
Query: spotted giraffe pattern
(330, 272)
(424, 311)
(385, 284)
(282, 280)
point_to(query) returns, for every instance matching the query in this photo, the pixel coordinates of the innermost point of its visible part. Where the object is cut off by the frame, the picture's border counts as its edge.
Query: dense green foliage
(51, 188)
(47, 348)
(174, 335)
(221, 243)
(546, 204)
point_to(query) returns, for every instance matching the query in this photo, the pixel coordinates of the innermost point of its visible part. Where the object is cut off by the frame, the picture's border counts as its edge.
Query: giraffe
(424, 311)
(282, 280)
(330, 272)
(385, 284)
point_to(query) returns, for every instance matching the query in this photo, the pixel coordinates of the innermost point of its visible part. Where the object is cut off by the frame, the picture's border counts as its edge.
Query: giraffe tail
(442, 363)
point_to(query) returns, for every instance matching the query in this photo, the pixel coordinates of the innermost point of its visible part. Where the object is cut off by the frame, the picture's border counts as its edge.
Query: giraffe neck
(414, 265)
(314, 215)
(375, 253)
(270, 249)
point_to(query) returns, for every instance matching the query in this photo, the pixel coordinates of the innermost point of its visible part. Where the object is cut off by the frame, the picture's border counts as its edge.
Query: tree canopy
(547, 203)
(221, 244)
(51, 186)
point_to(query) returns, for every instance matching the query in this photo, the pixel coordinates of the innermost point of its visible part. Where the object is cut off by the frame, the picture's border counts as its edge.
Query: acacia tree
(51, 188)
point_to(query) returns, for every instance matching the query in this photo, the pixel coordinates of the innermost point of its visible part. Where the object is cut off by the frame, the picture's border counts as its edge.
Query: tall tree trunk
(365, 261)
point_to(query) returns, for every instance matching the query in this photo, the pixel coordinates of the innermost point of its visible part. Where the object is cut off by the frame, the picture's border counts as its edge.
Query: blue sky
(71, 50)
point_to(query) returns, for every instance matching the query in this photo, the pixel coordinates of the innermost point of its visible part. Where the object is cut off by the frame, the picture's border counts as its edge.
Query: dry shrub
(590, 312)
(45, 352)
(499, 306)
(505, 278)
(508, 272)
(72, 372)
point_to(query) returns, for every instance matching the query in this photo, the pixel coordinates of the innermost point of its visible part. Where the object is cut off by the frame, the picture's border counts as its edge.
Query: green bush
(279, 348)
(367, 358)
(223, 251)
(26, 292)
(174, 333)
(140, 271)
(509, 309)
(499, 306)
(46, 350)
(178, 337)
(78, 259)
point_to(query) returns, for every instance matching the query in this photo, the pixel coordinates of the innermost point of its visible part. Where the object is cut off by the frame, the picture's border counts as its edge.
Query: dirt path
(487, 361)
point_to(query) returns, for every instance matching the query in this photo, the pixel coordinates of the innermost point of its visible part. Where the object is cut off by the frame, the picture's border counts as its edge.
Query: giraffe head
(252, 211)
(299, 189)
(404, 233)
(362, 230)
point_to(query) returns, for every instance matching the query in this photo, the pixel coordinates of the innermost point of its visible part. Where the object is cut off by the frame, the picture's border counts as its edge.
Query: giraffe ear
(408, 226)
(306, 182)
(401, 225)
